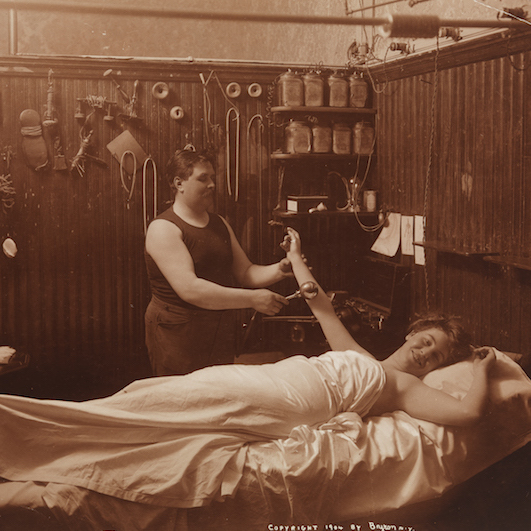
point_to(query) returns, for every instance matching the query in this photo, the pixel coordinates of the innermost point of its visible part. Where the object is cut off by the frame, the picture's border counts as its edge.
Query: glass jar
(321, 138)
(337, 90)
(298, 137)
(291, 89)
(363, 143)
(359, 91)
(313, 89)
(341, 139)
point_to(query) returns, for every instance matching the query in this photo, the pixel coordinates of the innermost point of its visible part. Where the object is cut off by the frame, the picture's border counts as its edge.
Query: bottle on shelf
(298, 137)
(291, 89)
(359, 91)
(338, 90)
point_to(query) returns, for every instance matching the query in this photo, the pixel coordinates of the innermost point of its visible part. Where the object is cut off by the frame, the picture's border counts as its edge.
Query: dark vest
(211, 253)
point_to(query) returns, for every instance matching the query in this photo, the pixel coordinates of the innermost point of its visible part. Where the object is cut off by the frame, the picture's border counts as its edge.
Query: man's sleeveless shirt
(210, 248)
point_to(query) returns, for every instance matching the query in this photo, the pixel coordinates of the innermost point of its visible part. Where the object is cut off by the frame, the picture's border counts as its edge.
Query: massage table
(387, 472)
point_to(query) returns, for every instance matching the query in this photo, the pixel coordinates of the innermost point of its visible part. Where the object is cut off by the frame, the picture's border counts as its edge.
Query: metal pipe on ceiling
(139, 11)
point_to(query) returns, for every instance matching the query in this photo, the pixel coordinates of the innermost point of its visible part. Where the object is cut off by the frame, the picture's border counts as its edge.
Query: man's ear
(177, 182)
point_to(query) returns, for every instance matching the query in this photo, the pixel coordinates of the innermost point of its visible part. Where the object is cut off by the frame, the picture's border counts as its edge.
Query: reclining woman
(184, 438)
(430, 343)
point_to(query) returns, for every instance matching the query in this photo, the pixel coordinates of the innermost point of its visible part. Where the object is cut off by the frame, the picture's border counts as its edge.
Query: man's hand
(268, 302)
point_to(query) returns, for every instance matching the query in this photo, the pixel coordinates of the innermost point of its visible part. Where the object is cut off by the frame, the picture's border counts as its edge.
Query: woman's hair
(460, 340)
(182, 163)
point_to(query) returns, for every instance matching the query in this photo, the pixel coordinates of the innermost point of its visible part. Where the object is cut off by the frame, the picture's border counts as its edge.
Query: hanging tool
(130, 102)
(51, 128)
(125, 141)
(86, 145)
(7, 190)
(33, 144)
(236, 112)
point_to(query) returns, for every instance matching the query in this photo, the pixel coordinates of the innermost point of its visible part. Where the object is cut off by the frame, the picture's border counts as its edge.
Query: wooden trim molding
(494, 46)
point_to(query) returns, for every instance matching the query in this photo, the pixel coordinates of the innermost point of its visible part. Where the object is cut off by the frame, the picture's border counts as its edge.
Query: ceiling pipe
(410, 22)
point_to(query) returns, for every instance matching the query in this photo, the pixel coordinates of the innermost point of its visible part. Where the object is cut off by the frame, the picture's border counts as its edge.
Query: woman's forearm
(475, 400)
(335, 332)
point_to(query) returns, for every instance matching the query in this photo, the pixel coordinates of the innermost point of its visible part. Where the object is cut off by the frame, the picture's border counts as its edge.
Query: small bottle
(321, 138)
(359, 91)
(313, 90)
(341, 139)
(338, 94)
(363, 143)
(291, 90)
(298, 137)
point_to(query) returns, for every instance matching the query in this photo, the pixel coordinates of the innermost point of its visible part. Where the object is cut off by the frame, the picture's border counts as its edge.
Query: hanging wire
(145, 213)
(129, 190)
(430, 162)
(511, 62)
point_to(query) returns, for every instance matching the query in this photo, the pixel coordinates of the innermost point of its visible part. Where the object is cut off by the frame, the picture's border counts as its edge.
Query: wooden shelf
(511, 261)
(331, 110)
(324, 213)
(449, 249)
(316, 156)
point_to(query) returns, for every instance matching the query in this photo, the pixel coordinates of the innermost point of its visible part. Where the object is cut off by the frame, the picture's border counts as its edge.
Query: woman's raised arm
(335, 332)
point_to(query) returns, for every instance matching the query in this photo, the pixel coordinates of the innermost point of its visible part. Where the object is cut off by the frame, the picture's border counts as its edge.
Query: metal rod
(138, 11)
(13, 35)
(374, 6)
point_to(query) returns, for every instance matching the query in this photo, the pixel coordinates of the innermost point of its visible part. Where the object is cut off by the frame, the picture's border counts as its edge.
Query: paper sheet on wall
(389, 239)
(407, 235)
(420, 258)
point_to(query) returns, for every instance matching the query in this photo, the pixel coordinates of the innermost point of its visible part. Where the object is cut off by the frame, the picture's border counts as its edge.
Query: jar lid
(336, 75)
(289, 73)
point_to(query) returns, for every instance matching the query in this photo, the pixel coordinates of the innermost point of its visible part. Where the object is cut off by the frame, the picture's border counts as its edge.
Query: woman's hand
(484, 359)
(292, 242)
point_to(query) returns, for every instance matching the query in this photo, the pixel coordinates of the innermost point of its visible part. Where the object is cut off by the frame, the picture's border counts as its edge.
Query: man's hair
(460, 340)
(182, 163)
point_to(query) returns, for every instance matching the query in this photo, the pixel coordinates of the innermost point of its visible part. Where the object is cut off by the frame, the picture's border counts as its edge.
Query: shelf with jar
(322, 116)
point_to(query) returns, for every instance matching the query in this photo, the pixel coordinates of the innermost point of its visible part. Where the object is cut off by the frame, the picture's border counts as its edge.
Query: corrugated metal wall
(478, 176)
(75, 295)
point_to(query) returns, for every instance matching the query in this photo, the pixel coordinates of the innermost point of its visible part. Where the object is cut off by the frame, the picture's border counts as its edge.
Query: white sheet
(393, 460)
(179, 441)
(332, 476)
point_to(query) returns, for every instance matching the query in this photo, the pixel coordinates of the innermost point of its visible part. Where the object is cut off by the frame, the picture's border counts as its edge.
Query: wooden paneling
(74, 296)
(478, 183)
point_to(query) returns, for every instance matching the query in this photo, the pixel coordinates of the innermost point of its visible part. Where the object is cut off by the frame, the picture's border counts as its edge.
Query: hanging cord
(133, 176)
(7, 192)
(386, 82)
(149, 160)
(236, 112)
(207, 106)
(260, 120)
(511, 62)
(430, 163)
(379, 225)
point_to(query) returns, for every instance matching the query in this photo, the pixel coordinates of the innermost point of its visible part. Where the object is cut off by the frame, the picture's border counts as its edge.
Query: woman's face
(198, 190)
(424, 351)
